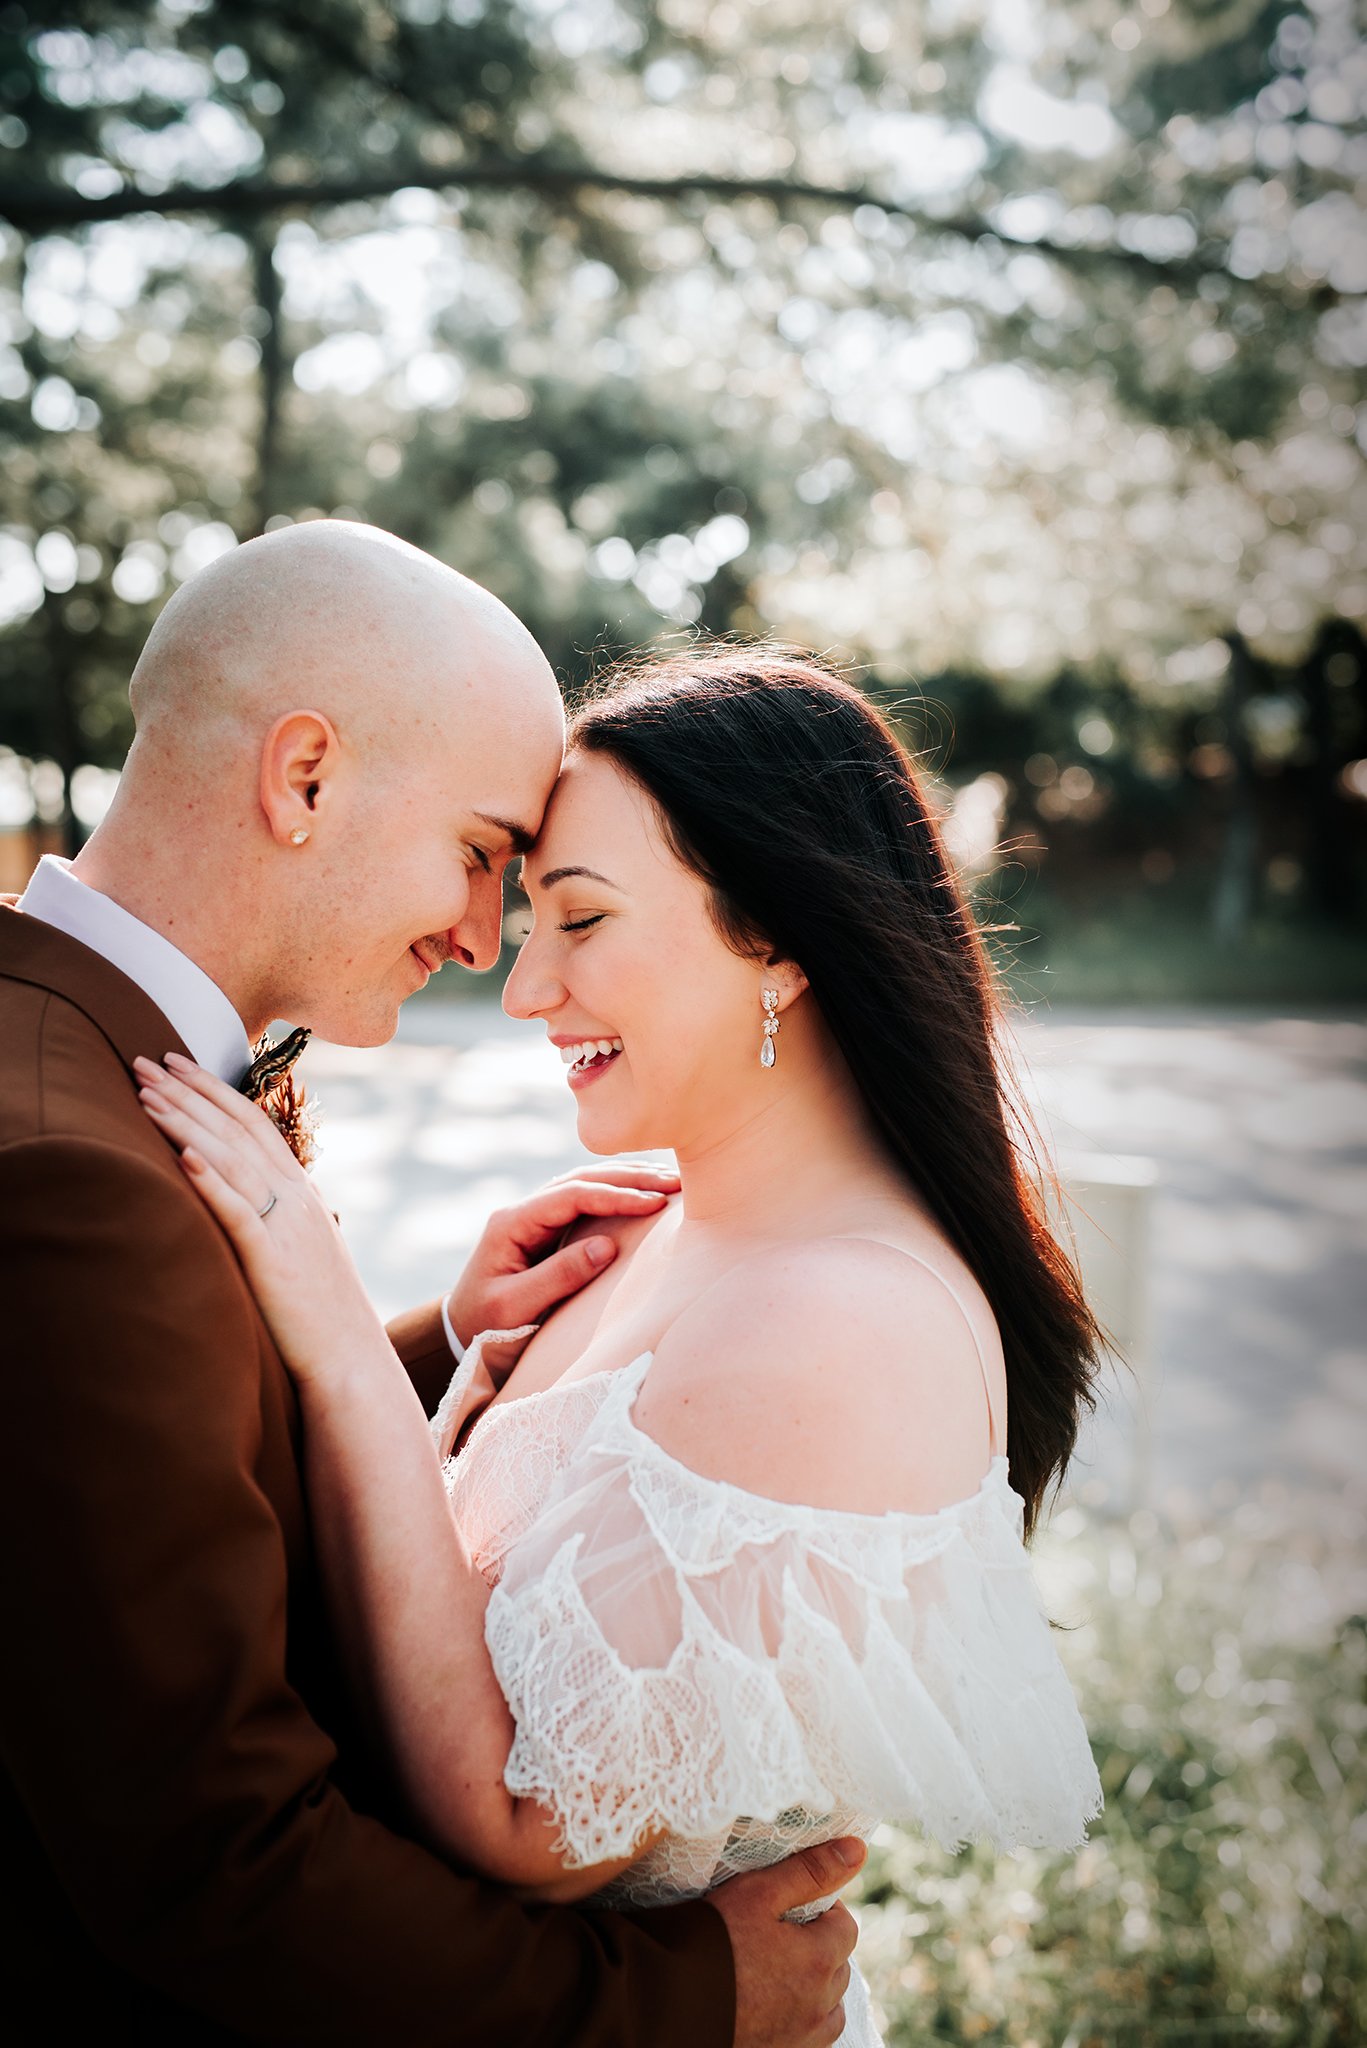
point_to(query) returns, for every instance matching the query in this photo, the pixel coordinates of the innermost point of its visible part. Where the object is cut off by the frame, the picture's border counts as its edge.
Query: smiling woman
(623, 956)
(765, 831)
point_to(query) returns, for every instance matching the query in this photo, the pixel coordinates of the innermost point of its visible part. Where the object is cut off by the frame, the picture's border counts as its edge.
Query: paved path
(1257, 1125)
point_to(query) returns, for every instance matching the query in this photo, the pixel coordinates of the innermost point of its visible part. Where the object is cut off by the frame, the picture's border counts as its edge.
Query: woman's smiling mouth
(588, 1057)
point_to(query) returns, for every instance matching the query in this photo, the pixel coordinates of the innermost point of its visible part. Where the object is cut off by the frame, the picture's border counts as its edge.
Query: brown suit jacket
(194, 1844)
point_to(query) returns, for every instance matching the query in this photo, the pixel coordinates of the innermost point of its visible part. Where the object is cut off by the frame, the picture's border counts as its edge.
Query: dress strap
(958, 1301)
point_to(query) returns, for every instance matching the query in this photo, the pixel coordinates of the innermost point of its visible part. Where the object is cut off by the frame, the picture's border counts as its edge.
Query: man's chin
(369, 1024)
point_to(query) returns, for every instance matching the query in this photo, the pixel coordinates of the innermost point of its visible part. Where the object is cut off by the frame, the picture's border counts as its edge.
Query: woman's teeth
(589, 1049)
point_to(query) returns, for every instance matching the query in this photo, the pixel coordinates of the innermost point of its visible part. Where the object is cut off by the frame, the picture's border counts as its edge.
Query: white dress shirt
(202, 1015)
(195, 1006)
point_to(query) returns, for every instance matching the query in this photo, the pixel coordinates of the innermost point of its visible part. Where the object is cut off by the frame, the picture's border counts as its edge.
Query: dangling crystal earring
(767, 1050)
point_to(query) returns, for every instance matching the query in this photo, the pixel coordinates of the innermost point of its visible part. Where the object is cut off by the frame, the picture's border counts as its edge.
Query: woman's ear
(299, 763)
(787, 977)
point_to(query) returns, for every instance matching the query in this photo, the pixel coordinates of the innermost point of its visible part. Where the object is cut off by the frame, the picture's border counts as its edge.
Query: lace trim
(962, 1723)
(936, 1699)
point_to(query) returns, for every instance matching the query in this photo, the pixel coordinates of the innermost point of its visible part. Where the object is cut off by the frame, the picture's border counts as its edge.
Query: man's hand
(791, 1977)
(516, 1276)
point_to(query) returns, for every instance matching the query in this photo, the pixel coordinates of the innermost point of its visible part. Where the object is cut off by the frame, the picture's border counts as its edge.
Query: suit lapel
(130, 1021)
(125, 1014)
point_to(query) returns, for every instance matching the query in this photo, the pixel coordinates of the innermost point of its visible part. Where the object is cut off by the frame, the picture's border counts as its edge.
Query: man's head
(335, 734)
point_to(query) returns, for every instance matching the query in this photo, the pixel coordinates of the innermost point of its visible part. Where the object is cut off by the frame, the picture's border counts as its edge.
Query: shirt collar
(196, 1006)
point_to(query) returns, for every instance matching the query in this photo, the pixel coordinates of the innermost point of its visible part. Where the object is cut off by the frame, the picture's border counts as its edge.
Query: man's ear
(299, 764)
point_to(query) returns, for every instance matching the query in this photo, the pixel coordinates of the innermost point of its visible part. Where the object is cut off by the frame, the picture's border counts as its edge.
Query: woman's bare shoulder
(626, 1232)
(567, 1335)
(839, 1371)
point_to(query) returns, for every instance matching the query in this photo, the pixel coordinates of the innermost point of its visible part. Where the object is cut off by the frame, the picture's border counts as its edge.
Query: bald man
(340, 744)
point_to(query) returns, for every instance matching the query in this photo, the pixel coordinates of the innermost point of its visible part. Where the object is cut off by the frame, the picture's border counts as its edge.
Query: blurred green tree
(960, 343)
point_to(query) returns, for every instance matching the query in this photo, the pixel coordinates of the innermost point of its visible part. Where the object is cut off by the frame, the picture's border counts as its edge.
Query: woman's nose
(529, 991)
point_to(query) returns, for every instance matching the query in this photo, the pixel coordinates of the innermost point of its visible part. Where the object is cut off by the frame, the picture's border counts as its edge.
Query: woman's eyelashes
(518, 882)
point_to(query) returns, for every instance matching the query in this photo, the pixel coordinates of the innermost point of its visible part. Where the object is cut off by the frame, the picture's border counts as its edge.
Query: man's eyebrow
(519, 835)
(548, 881)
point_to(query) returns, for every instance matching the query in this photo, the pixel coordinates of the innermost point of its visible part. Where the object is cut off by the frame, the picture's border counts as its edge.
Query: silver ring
(264, 1213)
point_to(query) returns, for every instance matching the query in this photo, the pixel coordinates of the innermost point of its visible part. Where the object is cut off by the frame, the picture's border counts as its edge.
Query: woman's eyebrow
(548, 881)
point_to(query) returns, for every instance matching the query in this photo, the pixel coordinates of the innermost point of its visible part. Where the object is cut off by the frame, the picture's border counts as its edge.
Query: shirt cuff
(457, 1348)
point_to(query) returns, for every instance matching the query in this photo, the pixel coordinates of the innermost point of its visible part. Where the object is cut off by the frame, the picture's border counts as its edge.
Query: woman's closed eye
(581, 924)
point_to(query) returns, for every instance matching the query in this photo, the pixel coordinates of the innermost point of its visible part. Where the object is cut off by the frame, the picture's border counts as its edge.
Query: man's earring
(299, 835)
(767, 1050)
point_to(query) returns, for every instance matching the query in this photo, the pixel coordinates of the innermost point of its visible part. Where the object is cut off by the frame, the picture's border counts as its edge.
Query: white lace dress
(747, 1675)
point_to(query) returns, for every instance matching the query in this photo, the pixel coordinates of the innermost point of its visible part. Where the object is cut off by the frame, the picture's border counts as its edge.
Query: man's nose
(478, 939)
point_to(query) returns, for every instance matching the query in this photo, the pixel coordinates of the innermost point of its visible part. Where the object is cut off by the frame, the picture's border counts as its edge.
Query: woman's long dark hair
(784, 790)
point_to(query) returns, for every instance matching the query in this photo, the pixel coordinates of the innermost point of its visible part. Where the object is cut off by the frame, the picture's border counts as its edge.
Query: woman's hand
(285, 1237)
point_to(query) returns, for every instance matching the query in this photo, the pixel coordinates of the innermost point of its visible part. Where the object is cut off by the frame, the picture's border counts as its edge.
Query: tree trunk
(1236, 881)
(264, 499)
(68, 747)
(1328, 858)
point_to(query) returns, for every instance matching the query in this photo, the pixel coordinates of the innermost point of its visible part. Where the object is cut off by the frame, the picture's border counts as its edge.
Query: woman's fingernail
(178, 1059)
(599, 1250)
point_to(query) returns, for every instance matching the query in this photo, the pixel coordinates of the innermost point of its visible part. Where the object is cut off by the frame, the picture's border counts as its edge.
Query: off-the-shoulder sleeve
(678, 1652)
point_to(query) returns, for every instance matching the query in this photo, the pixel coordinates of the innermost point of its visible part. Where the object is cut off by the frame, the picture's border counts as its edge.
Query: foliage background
(1008, 352)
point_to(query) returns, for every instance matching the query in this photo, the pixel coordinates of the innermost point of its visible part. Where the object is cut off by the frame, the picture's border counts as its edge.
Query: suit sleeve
(179, 1785)
(418, 1337)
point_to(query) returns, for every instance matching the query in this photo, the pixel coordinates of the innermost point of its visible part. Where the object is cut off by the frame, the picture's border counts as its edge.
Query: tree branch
(33, 210)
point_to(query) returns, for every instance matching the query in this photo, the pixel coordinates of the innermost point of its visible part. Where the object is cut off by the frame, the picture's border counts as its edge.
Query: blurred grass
(1156, 945)
(1222, 1896)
